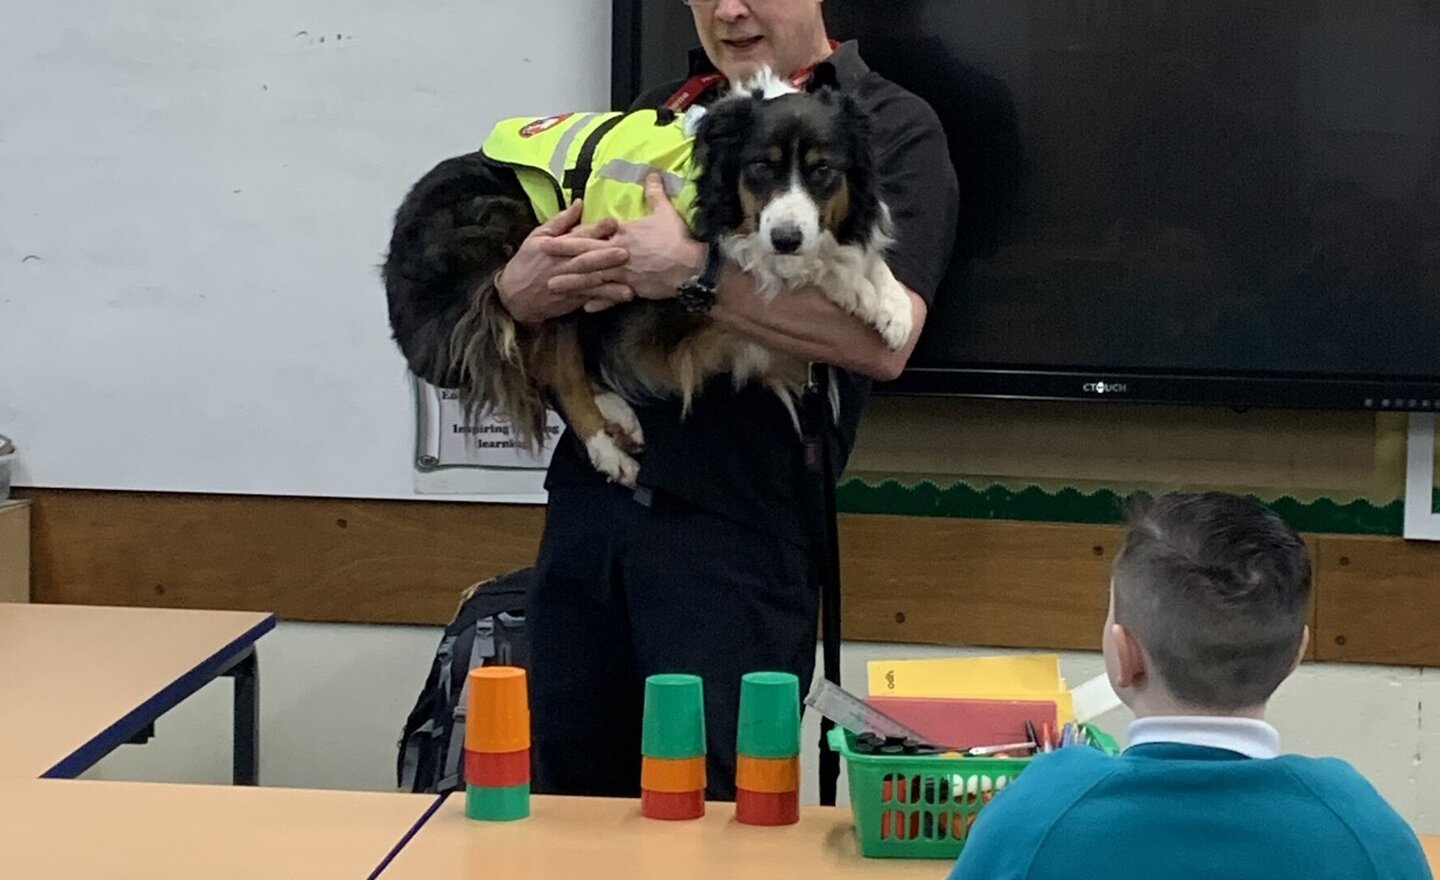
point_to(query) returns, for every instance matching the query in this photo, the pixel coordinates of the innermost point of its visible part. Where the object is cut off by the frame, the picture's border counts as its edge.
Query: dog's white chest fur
(774, 272)
(854, 277)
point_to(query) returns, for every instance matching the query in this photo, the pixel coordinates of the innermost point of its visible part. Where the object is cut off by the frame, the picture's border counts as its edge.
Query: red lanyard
(693, 88)
(698, 84)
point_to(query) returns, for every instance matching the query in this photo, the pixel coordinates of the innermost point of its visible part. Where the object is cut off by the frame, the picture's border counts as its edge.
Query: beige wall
(1308, 454)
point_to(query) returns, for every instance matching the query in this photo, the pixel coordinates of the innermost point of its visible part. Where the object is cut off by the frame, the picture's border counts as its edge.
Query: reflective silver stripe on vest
(626, 171)
(562, 149)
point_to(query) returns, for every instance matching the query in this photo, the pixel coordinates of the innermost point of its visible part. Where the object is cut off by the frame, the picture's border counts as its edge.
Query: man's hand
(524, 283)
(662, 255)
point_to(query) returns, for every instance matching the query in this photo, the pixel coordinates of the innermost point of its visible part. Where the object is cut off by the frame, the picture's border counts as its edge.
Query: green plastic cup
(769, 725)
(497, 804)
(674, 720)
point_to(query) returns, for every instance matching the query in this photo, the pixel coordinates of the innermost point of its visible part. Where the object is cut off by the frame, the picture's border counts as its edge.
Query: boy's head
(1209, 598)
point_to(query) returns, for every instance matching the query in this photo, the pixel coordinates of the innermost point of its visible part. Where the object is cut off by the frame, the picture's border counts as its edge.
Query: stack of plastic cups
(767, 774)
(497, 744)
(672, 775)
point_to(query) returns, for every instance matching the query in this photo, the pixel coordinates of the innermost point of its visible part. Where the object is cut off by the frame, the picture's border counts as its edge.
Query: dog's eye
(756, 171)
(822, 174)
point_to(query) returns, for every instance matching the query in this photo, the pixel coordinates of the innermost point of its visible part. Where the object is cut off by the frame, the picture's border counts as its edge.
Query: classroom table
(77, 681)
(603, 838)
(58, 829)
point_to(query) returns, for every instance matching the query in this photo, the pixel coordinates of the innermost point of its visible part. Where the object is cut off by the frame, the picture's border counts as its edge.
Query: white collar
(1247, 736)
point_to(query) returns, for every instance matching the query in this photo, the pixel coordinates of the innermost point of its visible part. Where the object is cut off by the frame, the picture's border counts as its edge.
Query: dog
(785, 187)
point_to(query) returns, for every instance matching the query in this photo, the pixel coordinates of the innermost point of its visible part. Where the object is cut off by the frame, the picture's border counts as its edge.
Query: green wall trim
(1100, 506)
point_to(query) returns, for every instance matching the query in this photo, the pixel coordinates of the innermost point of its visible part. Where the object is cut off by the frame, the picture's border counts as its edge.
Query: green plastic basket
(922, 806)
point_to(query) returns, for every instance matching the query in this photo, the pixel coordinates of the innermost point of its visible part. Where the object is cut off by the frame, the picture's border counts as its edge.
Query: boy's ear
(1304, 646)
(1130, 655)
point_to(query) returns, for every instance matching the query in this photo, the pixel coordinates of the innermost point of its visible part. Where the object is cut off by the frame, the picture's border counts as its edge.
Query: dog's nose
(786, 239)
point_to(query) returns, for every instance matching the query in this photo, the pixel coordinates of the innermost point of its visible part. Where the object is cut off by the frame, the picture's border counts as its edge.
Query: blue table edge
(167, 698)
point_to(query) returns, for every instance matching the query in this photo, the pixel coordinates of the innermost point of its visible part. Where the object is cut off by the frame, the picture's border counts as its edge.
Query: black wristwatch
(698, 294)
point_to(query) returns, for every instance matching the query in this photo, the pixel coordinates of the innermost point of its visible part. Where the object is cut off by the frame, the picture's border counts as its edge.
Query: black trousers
(632, 584)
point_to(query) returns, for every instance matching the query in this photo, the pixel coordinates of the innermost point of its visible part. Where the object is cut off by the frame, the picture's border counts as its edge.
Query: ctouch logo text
(1107, 388)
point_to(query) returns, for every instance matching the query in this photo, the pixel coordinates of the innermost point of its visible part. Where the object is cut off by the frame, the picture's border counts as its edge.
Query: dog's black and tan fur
(785, 187)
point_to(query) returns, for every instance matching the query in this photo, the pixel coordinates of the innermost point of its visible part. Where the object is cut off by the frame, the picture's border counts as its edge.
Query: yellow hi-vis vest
(603, 157)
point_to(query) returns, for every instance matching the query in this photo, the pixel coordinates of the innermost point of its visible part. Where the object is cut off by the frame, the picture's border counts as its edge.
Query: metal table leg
(245, 671)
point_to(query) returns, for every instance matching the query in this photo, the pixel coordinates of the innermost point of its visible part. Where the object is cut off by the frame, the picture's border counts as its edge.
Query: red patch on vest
(533, 128)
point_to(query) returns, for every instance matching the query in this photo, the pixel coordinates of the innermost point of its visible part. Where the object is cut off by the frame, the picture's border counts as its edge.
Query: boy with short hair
(1209, 598)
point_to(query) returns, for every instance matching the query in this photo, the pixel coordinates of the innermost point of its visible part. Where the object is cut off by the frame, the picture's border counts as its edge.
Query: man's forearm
(803, 323)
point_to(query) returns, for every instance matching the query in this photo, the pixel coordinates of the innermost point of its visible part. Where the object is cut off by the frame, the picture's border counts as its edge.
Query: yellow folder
(1014, 677)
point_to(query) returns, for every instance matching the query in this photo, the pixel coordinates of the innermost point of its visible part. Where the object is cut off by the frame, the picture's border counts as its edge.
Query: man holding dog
(706, 567)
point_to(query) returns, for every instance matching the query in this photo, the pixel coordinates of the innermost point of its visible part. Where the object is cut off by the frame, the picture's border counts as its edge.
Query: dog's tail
(458, 225)
(457, 228)
(491, 354)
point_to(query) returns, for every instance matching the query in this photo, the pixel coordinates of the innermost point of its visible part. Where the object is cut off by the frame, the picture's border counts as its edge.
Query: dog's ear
(719, 143)
(823, 77)
(723, 129)
(824, 87)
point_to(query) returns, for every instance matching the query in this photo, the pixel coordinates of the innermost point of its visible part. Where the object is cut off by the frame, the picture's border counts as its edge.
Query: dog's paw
(621, 420)
(888, 308)
(894, 320)
(612, 461)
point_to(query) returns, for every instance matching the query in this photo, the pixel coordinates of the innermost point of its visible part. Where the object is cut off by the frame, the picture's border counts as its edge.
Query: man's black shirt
(736, 453)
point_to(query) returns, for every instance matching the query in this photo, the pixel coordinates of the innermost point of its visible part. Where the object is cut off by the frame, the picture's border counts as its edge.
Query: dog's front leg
(887, 307)
(604, 421)
(620, 420)
(865, 287)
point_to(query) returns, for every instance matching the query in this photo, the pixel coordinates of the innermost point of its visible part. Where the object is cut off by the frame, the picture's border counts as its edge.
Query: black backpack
(488, 630)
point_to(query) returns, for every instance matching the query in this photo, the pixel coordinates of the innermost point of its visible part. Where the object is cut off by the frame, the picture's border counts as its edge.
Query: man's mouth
(742, 44)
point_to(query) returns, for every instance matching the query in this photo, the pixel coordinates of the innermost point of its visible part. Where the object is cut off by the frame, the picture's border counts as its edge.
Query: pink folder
(964, 723)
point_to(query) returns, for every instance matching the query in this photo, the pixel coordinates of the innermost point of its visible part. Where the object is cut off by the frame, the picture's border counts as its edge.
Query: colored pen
(995, 750)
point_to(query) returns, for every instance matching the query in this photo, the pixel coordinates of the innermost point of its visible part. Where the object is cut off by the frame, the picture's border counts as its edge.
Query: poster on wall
(456, 456)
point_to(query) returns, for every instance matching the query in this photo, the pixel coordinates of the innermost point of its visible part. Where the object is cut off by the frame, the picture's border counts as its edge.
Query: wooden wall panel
(907, 579)
(954, 581)
(303, 558)
(1379, 601)
(14, 551)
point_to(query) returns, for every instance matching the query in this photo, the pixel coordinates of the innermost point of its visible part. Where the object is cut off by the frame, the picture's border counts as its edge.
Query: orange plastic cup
(673, 775)
(497, 713)
(767, 775)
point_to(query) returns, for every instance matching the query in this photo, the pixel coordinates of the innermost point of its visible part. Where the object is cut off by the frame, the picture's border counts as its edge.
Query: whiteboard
(195, 197)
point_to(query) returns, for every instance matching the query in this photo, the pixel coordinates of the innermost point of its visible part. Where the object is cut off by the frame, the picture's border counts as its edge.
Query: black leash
(816, 424)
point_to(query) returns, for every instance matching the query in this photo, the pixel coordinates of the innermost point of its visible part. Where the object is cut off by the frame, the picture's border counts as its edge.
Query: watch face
(696, 296)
